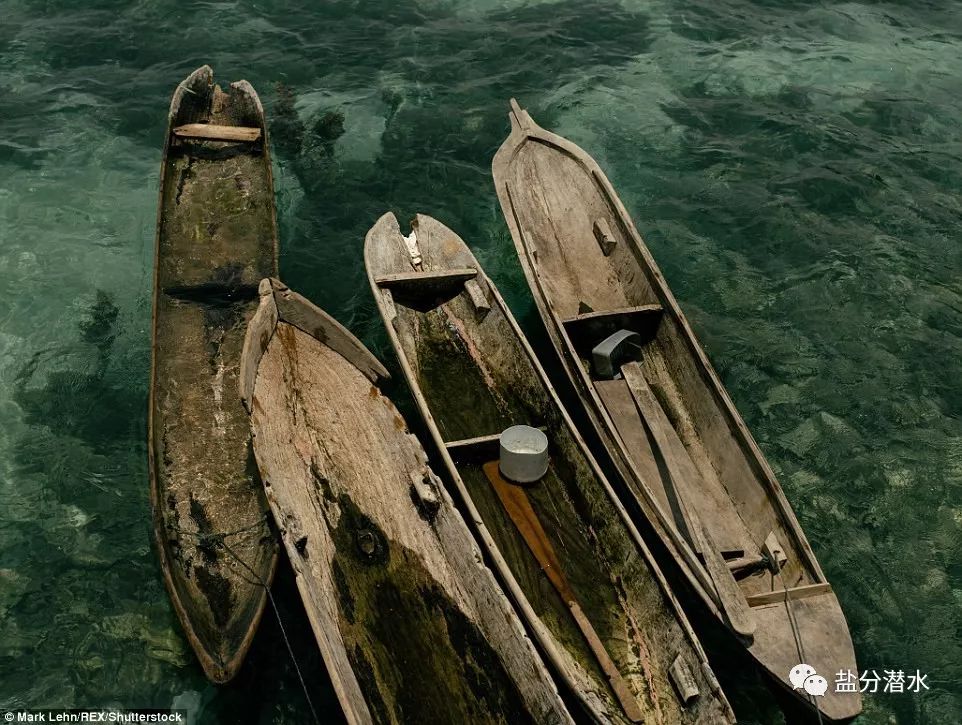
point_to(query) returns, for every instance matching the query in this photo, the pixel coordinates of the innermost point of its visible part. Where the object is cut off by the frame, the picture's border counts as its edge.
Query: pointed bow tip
(520, 119)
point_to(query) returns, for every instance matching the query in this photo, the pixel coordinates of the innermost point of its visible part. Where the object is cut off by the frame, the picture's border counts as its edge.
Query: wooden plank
(404, 279)
(427, 289)
(781, 595)
(588, 329)
(259, 332)
(476, 296)
(522, 514)
(684, 478)
(608, 314)
(398, 597)
(619, 404)
(216, 132)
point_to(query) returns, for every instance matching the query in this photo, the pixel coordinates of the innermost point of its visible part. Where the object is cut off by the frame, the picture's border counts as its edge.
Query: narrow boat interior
(612, 308)
(216, 239)
(477, 380)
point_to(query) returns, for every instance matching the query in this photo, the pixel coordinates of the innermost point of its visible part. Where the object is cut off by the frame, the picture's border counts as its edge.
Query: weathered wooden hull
(216, 239)
(473, 374)
(410, 623)
(592, 276)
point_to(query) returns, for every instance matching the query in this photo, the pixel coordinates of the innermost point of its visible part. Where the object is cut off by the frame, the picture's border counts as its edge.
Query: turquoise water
(794, 167)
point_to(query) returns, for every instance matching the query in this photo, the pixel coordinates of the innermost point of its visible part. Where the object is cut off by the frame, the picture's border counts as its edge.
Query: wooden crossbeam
(405, 279)
(803, 592)
(215, 132)
(426, 290)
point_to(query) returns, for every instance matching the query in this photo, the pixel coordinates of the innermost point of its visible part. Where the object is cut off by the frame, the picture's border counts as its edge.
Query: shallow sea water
(795, 168)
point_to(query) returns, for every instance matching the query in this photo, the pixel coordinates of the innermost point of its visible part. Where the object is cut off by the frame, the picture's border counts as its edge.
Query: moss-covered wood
(473, 375)
(411, 624)
(215, 240)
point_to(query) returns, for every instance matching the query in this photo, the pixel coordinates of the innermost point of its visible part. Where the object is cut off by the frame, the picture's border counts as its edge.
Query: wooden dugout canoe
(662, 412)
(473, 374)
(216, 239)
(411, 624)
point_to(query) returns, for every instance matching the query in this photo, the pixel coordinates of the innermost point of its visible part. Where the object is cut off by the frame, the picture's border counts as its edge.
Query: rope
(215, 540)
(287, 642)
(799, 645)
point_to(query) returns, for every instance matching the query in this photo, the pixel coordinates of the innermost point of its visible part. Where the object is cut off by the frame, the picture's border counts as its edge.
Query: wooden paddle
(683, 476)
(519, 508)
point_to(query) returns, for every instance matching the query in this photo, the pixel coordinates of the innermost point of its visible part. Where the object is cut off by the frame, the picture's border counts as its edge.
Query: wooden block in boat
(425, 485)
(683, 679)
(774, 552)
(606, 240)
(216, 132)
(476, 296)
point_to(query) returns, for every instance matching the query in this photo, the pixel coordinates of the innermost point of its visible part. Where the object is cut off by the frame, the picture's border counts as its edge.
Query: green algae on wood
(216, 239)
(411, 625)
(472, 375)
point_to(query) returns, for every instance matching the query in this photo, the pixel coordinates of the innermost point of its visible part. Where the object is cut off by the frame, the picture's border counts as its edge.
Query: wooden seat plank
(217, 132)
(683, 477)
(781, 595)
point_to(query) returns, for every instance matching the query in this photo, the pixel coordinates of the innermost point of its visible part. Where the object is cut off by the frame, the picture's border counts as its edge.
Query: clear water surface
(795, 168)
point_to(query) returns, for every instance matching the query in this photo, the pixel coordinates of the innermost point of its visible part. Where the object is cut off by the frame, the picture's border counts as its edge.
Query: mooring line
(280, 623)
(799, 645)
(215, 540)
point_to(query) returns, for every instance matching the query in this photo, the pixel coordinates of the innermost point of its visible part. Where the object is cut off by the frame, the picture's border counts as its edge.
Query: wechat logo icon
(804, 677)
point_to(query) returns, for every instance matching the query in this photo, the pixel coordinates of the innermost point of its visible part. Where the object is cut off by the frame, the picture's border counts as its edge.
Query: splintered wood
(410, 623)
